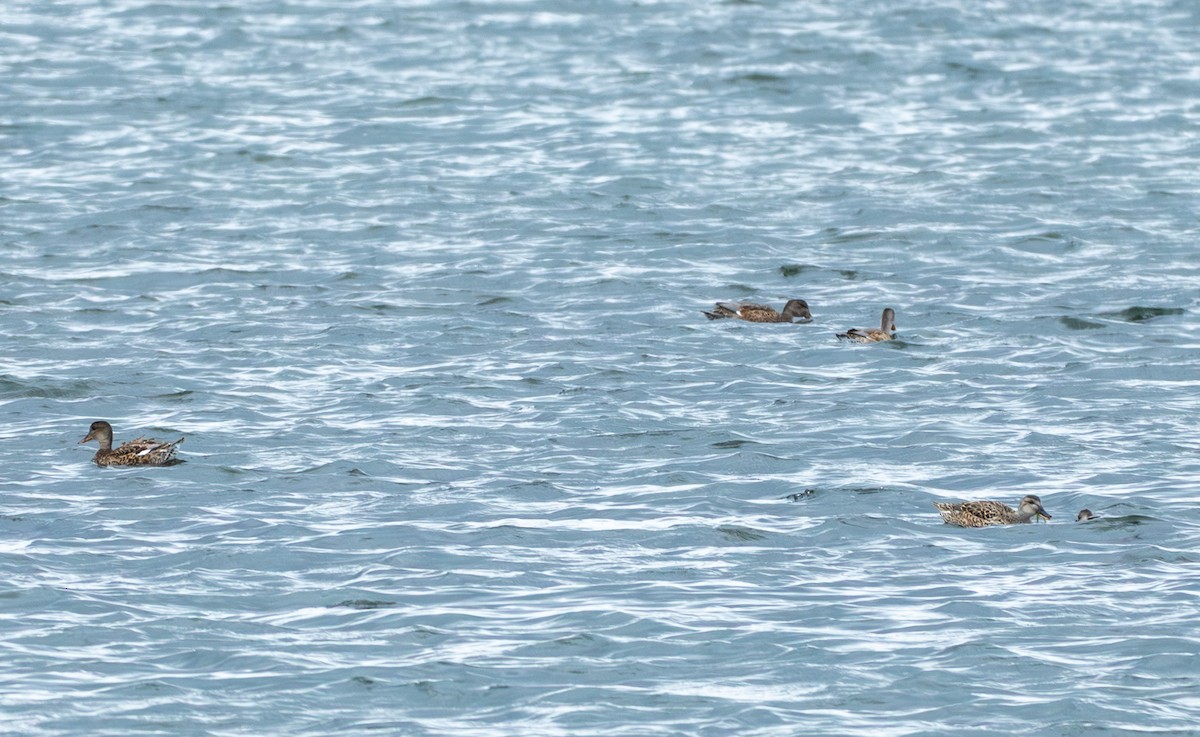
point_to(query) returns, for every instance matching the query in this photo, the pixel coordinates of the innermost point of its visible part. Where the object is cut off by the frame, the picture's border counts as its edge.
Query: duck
(982, 514)
(886, 331)
(1085, 515)
(138, 452)
(795, 308)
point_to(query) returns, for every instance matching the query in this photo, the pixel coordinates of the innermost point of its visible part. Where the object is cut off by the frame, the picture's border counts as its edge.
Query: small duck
(982, 514)
(138, 452)
(795, 308)
(1085, 515)
(886, 331)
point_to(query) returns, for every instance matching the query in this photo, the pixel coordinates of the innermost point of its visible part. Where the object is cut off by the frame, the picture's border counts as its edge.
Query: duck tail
(168, 448)
(721, 311)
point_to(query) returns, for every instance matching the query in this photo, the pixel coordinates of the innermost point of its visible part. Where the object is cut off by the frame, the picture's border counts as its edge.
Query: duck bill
(1043, 514)
(86, 438)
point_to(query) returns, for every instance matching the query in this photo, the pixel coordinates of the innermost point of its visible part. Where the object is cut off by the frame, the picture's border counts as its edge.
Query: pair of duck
(982, 514)
(149, 452)
(797, 310)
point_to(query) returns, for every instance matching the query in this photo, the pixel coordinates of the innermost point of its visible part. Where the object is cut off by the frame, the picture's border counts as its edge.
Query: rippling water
(421, 283)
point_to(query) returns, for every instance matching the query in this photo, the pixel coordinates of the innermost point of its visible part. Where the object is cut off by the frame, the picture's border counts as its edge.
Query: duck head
(797, 308)
(888, 323)
(1031, 507)
(101, 432)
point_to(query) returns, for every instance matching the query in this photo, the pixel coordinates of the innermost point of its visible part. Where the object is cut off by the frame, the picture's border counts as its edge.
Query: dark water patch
(727, 211)
(1075, 323)
(579, 640)
(227, 271)
(790, 270)
(1152, 553)
(1143, 314)
(497, 300)
(377, 307)
(91, 229)
(814, 491)
(733, 443)
(627, 187)
(263, 158)
(293, 288)
(771, 83)
(839, 236)
(643, 434)
(1124, 520)
(578, 643)
(613, 373)
(181, 395)
(427, 688)
(1052, 236)
(969, 71)
(167, 208)
(1050, 243)
(757, 78)
(738, 533)
(335, 466)
(17, 389)
(671, 237)
(427, 100)
(365, 604)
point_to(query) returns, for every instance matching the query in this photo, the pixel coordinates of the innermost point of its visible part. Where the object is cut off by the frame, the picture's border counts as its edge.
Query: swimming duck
(1085, 515)
(138, 452)
(982, 514)
(795, 308)
(887, 328)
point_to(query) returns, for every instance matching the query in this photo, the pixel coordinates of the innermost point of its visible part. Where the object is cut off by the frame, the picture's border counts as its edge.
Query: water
(421, 283)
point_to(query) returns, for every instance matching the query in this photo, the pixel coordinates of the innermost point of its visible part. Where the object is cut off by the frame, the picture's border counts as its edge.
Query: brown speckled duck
(795, 308)
(138, 452)
(982, 514)
(886, 330)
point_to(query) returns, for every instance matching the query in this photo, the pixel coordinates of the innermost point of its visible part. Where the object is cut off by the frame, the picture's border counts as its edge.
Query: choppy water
(421, 282)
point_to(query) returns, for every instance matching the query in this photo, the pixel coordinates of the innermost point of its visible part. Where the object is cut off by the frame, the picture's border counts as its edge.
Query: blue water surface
(421, 283)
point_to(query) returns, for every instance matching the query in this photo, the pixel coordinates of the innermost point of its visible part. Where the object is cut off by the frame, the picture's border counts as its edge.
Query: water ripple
(423, 285)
